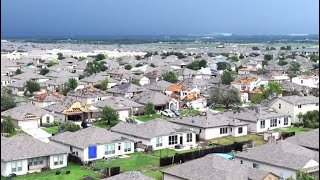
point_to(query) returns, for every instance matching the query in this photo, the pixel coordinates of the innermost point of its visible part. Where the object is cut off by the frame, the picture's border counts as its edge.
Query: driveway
(39, 134)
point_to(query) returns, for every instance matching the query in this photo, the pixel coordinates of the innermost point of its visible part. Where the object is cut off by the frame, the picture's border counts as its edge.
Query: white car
(167, 112)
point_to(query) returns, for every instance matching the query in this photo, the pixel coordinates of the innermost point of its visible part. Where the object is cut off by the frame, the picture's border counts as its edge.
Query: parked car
(167, 112)
(176, 112)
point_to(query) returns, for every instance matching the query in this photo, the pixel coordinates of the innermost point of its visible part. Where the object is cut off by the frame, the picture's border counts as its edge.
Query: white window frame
(109, 150)
(239, 130)
(224, 130)
(16, 166)
(273, 122)
(262, 124)
(286, 121)
(158, 141)
(173, 139)
(61, 159)
(299, 106)
(189, 137)
(126, 147)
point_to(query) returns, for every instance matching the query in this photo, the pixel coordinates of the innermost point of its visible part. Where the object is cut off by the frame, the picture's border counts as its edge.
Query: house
(309, 81)
(28, 116)
(308, 139)
(89, 94)
(45, 99)
(93, 143)
(17, 87)
(281, 158)
(5, 80)
(210, 126)
(248, 82)
(129, 175)
(159, 100)
(215, 167)
(22, 154)
(262, 119)
(294, 105)
(125, 107)
(159, 86)
(97, 79)
(184, 73)
(126, 90)
(289, 87)
(158, 134)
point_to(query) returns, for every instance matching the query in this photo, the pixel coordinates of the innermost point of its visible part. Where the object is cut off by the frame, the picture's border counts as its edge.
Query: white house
(248, 82)
(158, 134)
(294, 105)
(309, 81)
(212, 126)
(262, 119)
(281, 158)
(93, 143)
(23, 154)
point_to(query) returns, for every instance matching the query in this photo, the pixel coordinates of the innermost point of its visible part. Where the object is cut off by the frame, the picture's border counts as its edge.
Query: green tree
(104, 84)
(282, 62)
(128, 67)
(210, 54)
(310, 119)
(136, 81)
(44, 71)
(234, 58)
(288, 48)
(272, 48)
(69, 126)
(265, 63)
(152, 65)
(7, 102)
(100, 57)
(241, 56)
(268, 57)
(227, 77)
(138, 65)
(32, 86)
(149, 109)
(18, 71)
(257, 98)
(273, 88)
(7, 125)
(301, 175)
(138, 57)
(283, 48)
(109, 115)
(255, 48)
(170, 77)
(60, 56)
(223, 66)
(202, 63)
(95, 67)
(229, 97)
(294, 66)
(314, 57)
(72, 84)
(51, 63)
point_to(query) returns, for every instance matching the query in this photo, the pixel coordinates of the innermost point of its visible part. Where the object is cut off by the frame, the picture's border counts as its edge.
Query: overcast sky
(158, 17)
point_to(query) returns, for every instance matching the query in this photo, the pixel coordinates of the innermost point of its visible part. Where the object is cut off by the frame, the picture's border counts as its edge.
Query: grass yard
(103, 124)
(192, 112)
(297, 130)
(52, 129)
(146, 118)
(170, 152)
(154, 174)
(77, 173)
(15, 133)
(218, 108)
(137, 161)
(257, 140)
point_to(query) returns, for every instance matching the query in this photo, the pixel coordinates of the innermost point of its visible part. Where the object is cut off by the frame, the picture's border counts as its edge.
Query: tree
(283, 48)
(210, 54)
(234, 58)
(255, 48)
(226, 77)
(70, 126)
(294, 66)
(136, 81)
(196, 65)
(229, 97)
(314, 57)
(72, 84)
(273, 88)
(104, 84)
(223, 66)
(7, 125)
(241, 56)
(202, 64)
(257, 98)
(100, 57)
(32, 86)
(109, 115)
(18, 71)
(272, 48)
(51, 63)
(282, 62)
(7, 102)
(60, 56)
(139, 65)
(170, 77)
(310, 119)
(138, 57)
(152, 65)
(265, 63)
(288, 48)
(44, 71)
(301, 175)
(95, 67)
(268, 57)
(149, 109)
(128, 67)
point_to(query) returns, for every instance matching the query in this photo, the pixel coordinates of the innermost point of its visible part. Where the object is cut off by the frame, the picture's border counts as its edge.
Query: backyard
(52, 129)
(257, 139)
(103, 124)
(146, 118)
(77, 173)
(297, 130)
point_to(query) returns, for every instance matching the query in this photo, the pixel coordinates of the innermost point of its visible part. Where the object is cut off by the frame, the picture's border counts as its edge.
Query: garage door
(28, 124)
(123, 115)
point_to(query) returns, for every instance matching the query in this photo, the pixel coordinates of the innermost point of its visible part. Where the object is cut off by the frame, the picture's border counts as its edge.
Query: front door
(181, 140)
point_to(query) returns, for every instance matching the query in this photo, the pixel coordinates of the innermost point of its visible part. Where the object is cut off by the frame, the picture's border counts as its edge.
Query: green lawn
(170, 152)
(146, 118)
(103, 124)
(297, 130)
(218, 108)
(15, 133)
(154, 174)
(137, 161)
(52, 129)
(257, 139)
(77, 173)
(192, 112)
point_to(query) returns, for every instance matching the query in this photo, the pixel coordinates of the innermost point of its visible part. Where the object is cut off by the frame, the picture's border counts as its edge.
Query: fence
(110, 172)
(285, 135)
(181, 158)
(74, 159)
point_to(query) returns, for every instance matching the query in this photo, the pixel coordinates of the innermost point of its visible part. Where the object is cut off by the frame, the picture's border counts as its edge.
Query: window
(241, 162)
(58, 160)
(279, 105)
(263, 124)
(224, 130)
(109, 149)
(240, 130)
(16, 166)
(189, 137)
(317, 104)
(158, 142)
(255, 165)
(286, 122)
(127, 146)
(299, 106)
(173, 140)
(273, 123)
(301, 81)
(48, 119)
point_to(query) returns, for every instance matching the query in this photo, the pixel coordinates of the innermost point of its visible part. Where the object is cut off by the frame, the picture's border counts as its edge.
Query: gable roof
(300, 100)
(117, 103)
(282, 154)
(158, 85)
(155, 98)
(215, 167)
(126, 88)
(23, 146)
(150, 129)
(309, 139)
(87, 137)
(20, 112)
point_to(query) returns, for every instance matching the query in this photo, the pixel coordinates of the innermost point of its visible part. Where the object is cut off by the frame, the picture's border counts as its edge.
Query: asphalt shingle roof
(309, 139)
